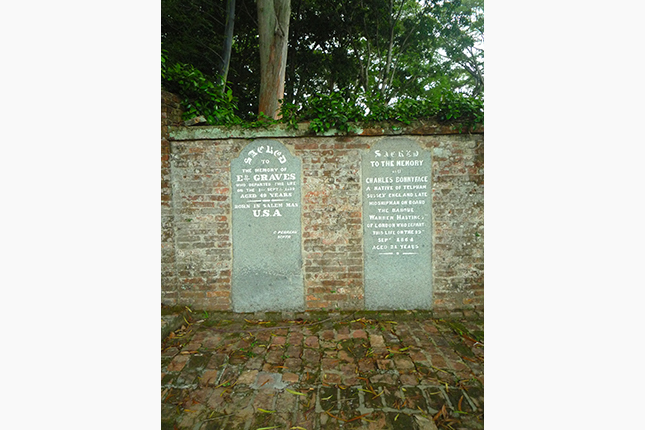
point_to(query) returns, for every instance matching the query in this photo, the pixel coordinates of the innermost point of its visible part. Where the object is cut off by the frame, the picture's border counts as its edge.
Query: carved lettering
(390, 186)
(397, 213)
(265, 213)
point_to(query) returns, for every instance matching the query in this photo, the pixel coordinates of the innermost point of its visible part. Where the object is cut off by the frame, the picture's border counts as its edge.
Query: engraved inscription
(392, 196)
(268, 189)
(397, 217)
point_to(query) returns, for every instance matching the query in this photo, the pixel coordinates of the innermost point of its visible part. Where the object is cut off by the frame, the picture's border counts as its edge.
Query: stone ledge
(418, 128)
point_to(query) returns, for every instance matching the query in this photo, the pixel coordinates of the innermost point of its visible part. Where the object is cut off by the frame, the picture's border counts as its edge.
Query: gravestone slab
(397, 221)
(267, 257)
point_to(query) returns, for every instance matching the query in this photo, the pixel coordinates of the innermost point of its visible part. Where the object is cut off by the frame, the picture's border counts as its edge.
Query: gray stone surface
(269, 381)
(397, 221)
(267, 256)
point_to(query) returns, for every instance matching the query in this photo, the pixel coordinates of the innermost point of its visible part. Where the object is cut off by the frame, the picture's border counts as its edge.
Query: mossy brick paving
(211, 368)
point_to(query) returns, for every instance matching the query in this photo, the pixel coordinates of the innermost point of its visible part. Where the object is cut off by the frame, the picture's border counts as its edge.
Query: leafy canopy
(348, 60)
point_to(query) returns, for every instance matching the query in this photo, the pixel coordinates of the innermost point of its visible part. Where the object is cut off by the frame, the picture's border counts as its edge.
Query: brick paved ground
(342, 370)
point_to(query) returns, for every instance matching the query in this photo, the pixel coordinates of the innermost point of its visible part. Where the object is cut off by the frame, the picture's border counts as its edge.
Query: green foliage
(381, 48)
(263, 121)
(193, 32)
(333, 111)
(290, 114)
(376, 52)
(337, 110)
(200, 95)
(442, 103)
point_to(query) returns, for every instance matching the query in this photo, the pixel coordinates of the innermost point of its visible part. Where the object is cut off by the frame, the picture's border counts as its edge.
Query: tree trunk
(228, 42)
(273, 23)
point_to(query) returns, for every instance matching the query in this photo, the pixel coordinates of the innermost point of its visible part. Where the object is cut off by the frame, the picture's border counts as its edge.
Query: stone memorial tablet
(397, 220)
(267, 260)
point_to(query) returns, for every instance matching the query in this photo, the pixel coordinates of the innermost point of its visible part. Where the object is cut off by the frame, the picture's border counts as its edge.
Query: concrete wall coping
(423, 128)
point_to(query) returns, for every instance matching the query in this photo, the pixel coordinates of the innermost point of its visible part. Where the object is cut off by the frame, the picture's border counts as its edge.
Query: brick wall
(196, 213)
(331, 223)
(170, 115)
(458, 215)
